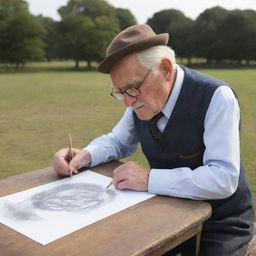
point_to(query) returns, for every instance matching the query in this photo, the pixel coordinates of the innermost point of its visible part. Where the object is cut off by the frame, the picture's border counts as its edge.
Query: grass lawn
(39, 110)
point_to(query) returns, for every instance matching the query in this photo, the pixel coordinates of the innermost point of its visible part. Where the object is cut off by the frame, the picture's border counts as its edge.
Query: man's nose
(128, 100)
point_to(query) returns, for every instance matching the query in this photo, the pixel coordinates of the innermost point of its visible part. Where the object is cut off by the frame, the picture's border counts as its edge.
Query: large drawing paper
(48, 212)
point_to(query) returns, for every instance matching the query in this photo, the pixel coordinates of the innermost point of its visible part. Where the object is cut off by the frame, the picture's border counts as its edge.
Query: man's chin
(143, 116)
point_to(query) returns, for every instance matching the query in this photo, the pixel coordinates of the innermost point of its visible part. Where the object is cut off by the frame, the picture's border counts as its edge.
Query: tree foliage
(11, 8)
(207, 28)
(75, 33)
(179, 28)
(238, 35)
(49, 36)
(125, 18)
(86, 29)
(217, 34)
(90, 8)
(162, 21)
(20, 33)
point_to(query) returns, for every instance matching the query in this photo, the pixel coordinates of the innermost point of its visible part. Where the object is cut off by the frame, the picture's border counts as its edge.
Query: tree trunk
(77, 63)
(89, 64)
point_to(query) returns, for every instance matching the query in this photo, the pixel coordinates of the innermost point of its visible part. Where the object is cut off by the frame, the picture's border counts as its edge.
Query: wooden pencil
(70, 155)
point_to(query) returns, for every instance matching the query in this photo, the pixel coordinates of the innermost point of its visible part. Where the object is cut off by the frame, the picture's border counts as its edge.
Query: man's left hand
(131, 176)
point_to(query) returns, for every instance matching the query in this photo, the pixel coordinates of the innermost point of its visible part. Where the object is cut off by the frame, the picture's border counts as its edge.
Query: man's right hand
(80, 159)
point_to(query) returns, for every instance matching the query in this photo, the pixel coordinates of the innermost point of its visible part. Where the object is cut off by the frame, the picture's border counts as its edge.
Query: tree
(182, 39)
(102, 36)
(163, 20)
(90, 8)
(208, 27)
(49, 36)
(86, 29)
(75, 32)
(125, 18)
(252, 39)
(239, 34)
(178, 26)
(20, 33)
(12, 7)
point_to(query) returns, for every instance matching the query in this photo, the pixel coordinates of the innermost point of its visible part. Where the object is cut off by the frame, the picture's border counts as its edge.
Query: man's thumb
(73, 166)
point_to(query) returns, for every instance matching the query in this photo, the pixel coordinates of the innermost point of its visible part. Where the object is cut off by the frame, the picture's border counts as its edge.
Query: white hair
(152, 57)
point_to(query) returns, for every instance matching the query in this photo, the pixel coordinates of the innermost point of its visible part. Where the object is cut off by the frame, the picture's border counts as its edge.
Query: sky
(144, 9)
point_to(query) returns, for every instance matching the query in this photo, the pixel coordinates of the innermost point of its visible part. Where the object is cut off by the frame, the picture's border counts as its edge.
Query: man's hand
(131, 176)
(80, 159)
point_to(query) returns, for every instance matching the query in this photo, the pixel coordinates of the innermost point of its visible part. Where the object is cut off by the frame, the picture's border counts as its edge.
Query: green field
(39, 109)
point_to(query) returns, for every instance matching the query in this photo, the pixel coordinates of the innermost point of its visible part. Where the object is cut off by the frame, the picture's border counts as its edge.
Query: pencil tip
(109, 184)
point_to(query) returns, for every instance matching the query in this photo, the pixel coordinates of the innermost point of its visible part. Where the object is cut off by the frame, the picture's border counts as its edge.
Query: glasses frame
(136, 89)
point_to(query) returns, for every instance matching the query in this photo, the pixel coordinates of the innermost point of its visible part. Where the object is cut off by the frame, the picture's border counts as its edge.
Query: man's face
(128, 73)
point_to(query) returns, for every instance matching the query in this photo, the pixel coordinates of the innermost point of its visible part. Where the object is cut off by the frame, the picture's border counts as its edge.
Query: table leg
(198, 238)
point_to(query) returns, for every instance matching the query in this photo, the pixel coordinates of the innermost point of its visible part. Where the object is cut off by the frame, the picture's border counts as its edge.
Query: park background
(49, 87)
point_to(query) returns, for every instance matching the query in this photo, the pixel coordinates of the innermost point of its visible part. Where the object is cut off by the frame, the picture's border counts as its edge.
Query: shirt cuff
(158, 181)
(165, 181)
(95, 158)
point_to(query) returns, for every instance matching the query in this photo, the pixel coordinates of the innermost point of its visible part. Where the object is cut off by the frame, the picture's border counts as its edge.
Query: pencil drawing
(19, 211)
(72, 197)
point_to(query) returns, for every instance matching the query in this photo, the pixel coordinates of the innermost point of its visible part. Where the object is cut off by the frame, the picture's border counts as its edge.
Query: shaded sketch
(71, 197)
(19, 211)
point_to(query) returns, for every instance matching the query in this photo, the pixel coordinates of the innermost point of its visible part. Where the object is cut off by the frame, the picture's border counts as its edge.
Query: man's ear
(166, 67)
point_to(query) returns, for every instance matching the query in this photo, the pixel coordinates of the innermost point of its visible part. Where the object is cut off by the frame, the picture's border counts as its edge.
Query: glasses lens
(117, 95)
(132, 92)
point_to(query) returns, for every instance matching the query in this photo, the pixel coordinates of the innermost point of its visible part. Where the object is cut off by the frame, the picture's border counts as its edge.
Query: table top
(151, 227)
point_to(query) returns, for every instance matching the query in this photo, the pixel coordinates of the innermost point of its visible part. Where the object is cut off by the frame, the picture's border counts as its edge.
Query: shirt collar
(168, 108)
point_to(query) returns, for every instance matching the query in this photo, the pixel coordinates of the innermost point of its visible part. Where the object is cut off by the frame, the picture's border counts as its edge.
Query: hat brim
(108, 62)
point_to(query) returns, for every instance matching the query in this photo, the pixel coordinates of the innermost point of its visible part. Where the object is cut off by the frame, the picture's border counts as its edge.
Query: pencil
(70, 155)
(109, 184)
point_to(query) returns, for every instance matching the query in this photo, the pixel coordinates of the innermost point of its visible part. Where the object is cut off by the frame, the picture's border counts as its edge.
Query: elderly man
(188, 126)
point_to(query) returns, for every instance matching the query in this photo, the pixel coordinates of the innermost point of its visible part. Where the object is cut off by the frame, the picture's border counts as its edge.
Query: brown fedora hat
(133, 39)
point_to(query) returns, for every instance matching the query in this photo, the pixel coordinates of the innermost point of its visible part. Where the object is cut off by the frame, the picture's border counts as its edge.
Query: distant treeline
(87, 26)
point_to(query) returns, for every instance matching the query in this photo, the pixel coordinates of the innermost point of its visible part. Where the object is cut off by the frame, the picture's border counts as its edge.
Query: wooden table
(151, 227)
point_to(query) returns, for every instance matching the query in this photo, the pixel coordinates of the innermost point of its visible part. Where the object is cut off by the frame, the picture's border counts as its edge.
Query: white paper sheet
(51, 211)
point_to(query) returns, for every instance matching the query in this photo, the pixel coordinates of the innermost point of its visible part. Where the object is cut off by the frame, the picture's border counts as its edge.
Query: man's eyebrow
(128, 85)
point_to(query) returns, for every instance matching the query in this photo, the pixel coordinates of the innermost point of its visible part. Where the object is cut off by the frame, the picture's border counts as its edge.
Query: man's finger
(125, 184)
(119, 177)
(76, 163)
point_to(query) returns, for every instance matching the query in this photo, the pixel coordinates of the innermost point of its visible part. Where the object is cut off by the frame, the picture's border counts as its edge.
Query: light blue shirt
(217, 178)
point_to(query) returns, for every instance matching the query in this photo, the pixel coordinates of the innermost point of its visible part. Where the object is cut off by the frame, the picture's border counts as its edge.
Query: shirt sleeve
(218, 177)
(120, 143)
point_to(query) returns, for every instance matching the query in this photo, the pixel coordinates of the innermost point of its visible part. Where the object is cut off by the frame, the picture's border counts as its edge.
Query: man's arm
(120, 143)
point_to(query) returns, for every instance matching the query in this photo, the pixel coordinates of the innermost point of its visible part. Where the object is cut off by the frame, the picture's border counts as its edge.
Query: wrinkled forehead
(126, 64)
(128, 71)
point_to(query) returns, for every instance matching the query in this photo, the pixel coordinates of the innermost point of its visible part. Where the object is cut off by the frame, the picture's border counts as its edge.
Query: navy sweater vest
(181, 145)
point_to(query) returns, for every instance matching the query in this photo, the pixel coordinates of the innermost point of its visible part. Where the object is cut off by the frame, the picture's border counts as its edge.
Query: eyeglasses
(133, 92)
